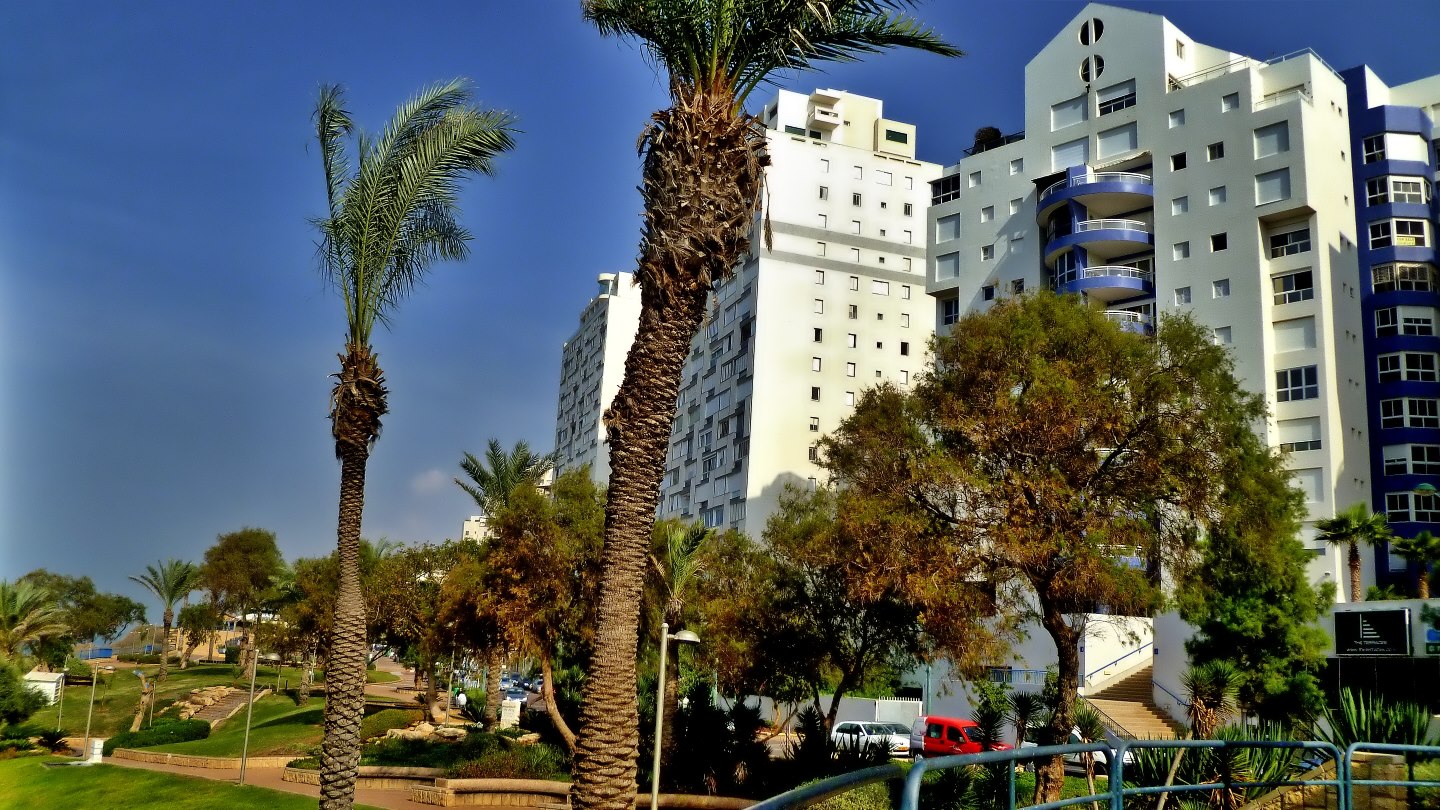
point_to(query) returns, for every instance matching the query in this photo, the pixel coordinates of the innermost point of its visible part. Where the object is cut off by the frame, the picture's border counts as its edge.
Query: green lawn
(118, 695)
(380, 676)
(278, 727)
(25, 782)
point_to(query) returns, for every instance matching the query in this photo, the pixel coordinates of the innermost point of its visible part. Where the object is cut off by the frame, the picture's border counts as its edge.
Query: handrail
(1113, 724)
(1205, 75)
(1097, 177)
(1093, 672)
(1119, 791)
(1105, 271)
(1110, 224)
(1178, 699)
(825, 788)
(1304, 52)
(1281, 96)
(1127, 315)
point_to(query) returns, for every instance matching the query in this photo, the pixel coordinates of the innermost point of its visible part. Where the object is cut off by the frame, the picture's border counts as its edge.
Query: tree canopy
(87, 613)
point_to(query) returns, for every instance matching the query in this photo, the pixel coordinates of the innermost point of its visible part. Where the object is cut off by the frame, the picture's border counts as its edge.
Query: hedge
(171, 731)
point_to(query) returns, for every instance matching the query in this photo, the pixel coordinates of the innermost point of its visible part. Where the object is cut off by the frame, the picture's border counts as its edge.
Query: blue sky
(165, 341)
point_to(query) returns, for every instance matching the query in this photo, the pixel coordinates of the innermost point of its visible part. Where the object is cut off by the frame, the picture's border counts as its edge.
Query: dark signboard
(1372, 632)
(1432, 641)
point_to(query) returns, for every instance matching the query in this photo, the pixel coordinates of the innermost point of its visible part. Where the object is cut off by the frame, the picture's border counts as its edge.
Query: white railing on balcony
(824, 114)
(1290, 94)
(1126, 316)
(1105, 271)
(1304, 52)
(1097, 177)
(1213, 72)
(1111, 225)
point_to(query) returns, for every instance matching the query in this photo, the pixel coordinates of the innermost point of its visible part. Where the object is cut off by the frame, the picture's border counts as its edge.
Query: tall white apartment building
(592, 365)
(836, 304)
(1158, 174)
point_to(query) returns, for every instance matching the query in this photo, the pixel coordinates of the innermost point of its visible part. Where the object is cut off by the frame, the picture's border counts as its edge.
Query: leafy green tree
(1048, 448)
(1422, 550)
(88, 613)
(703, 162)
(1250, 597)
(677, 561)
(17, 700)
(28, 614)
(386, 224)
(170, 581)
(240, 570)
(197, 625)
(407, 601)
(1351, 528)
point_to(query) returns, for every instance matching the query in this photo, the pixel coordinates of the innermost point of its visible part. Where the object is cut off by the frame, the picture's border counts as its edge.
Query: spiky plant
(388, 221)
(703, 159)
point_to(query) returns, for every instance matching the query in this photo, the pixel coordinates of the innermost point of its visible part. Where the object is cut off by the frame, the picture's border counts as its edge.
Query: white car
(1078, 760)
(858, 735)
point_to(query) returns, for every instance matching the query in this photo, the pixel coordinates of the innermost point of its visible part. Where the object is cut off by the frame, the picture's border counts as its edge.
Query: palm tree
(170, 581)
(703, 159)
(676, 570)
(492, 480)
(28, 614)
(1423, 550)
(386, 224)
(1026, 709)
(1350, 528)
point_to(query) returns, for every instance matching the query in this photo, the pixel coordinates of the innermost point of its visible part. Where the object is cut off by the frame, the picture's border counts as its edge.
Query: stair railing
(1110, 722)
(1089, 677)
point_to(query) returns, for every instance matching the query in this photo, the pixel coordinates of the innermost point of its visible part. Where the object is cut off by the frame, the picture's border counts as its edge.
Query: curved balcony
(1107, 282)
(1102, 239)
(1132, 321)
(1100, 192)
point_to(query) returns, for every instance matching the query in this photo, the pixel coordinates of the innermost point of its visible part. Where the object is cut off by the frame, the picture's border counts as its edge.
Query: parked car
(1078, 760)
(856, 735)
(935, 736)
(516, 693)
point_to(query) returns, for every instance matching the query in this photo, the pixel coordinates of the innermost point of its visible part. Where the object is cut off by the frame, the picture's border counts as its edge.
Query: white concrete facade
(833, 306)
(591, 368)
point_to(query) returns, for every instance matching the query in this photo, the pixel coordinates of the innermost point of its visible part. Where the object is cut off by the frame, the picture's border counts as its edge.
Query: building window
(987, 292)
(1299, 435)
(904, 348)
(855, 255)
(1017, 286)
(1179, 49)
(1293, 384)
(1224, 335)
(855, 199)
(819, 334)
(909, 238)
(819, 306)
(905, 320)
(1272, 186)
(1397, 507)
(820, 276)
(1229, 101)
(854, 282)
(1407, 366)
(849, 369)
(1412, 459)
(1272, 140)
(1017, 165)
(1217, 195)
(1215, 151)
(904, 292)
(824, 166)
(1177, 118)
(1015, 206)
(853, 313)
(849, 397)
(1408, 277)
(1179, 205)
(1182, 295)
(896, 136)
(1177, 162)
(945, 189)
(1410, 321)
(814, 364)
(1415, 412)
(949, 311)
(1399, 233)
(824, 193)
(814, 424)
(1289, 243)
(1220, 289)
(987, 213)
(1116, 97)
(814, 393)
(1219, 242)
(909, 209)
(714, 516)
(974, 179)
(1180, 250)
(850, 340)
(1374, 148)
(987, 252)
(855, 226)
(1292, 287)
(1409, 190)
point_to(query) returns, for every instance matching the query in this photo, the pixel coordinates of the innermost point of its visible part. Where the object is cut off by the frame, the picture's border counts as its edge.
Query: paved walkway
(271, 778)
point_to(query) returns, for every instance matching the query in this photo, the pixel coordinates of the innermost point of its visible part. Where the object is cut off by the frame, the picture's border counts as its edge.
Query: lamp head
(685, 637)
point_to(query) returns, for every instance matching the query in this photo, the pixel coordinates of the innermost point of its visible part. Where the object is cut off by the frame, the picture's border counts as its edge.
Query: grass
(380, 676)
(26, 782)
(277, 727)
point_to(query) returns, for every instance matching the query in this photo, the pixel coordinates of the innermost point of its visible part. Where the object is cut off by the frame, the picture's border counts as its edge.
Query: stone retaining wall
(193, 761)
(378, 777)
(546, 795)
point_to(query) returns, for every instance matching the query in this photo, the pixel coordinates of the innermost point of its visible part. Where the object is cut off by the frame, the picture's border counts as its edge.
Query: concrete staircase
(223, 710)
(1128, 703)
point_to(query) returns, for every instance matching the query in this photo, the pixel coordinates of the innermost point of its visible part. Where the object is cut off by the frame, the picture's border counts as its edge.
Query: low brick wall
(544, 794)
(192, 761)
(377, 777)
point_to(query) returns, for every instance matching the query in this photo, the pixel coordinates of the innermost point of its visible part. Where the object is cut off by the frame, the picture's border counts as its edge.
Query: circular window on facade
(1091, 68)
(1090, 31)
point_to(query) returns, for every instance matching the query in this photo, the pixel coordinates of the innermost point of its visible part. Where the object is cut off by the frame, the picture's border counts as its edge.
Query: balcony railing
(1111, 225)
(1290, 94)
(1124, 316)
(1105, 271)
(1097, 177)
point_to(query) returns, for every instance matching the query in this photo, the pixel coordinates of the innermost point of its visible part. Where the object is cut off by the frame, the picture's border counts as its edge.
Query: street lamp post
(250, 706)
(94, 677)
(681, 637)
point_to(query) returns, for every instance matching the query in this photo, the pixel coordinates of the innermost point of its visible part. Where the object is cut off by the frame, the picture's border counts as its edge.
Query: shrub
(874, 796)
(519, 762)
(54, 740)
(304, 763)
(382, 721)
(162, 733)
(20, 731)
(133, 658)
(17, 700)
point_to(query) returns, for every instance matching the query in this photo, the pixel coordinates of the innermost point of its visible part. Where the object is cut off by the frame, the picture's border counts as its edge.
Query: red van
(935, 736)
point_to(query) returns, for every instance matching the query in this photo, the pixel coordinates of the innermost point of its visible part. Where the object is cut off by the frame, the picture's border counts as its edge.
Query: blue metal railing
(1342, 782)
(1178, 699)
(1097, 670)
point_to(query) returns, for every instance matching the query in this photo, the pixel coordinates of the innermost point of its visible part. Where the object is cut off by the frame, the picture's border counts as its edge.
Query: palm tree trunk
(1355, 593)
(701, 185)
(492, 690)
(168, 618)
(345, 668)
(307, 678)
(1423, 587)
